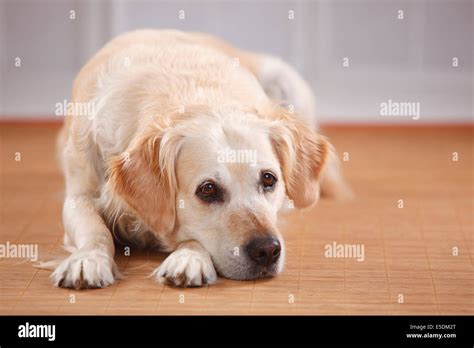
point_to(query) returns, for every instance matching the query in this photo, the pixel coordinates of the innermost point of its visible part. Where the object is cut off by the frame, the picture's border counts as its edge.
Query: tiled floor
(408, 251)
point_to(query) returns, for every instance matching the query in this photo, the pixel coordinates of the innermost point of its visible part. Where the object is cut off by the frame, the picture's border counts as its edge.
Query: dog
(194, 146)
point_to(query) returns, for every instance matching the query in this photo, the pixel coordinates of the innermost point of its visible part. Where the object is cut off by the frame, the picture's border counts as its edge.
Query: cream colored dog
(186, 150)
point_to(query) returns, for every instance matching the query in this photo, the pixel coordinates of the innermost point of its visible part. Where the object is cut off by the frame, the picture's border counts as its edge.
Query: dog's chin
(250, 272)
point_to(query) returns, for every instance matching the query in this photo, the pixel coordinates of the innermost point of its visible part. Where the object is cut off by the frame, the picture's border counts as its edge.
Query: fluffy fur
(166, 104)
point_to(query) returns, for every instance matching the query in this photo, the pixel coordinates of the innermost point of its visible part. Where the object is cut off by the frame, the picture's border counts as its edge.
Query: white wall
(406, 60)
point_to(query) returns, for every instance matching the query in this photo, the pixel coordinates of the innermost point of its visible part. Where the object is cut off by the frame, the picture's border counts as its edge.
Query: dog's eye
(208, 192)
(208, 189)
(268, 180)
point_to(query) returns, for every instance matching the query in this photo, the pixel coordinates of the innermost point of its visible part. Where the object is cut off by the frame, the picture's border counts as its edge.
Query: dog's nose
(264, 251)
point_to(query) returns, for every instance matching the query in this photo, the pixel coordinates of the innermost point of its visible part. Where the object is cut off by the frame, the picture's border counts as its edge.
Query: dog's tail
(332, 182)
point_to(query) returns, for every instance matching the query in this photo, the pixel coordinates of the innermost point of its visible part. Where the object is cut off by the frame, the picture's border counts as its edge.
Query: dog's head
(220, 180)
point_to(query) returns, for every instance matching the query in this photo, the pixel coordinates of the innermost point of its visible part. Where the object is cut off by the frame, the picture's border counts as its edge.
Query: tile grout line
(458, 218)
(24, 291)
(386, 268)
(115, 288)
(420, 224)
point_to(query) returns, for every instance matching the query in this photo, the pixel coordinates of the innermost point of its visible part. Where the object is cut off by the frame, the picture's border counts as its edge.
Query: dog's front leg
(189, 265)
(91, 264)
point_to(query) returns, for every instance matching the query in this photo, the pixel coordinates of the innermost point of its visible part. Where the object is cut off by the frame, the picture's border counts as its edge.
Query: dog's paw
(85, 269)
(186, 268)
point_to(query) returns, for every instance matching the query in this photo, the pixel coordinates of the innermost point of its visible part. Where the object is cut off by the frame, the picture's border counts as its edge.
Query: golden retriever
(188, 149)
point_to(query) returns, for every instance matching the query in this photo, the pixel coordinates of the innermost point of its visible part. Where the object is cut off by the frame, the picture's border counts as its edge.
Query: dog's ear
(302, 154)
(145, 179)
